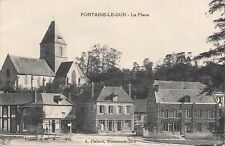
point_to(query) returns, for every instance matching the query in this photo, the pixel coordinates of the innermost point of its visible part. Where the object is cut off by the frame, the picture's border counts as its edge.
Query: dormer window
(220, 99)
(185, 99)
(57, 99)
(115, 98)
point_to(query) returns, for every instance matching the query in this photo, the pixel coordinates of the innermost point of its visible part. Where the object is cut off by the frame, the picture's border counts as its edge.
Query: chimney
(129, 90)
(156, 88)
(92, 90)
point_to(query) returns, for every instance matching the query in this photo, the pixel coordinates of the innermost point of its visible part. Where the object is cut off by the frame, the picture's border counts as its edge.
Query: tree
(99, 59)
(217, 38)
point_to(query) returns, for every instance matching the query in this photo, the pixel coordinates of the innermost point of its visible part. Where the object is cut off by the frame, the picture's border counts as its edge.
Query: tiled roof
(107, 92)
(31, 66)
(16, 98)
(48, 99)
(52, 35)
(104, 94)
(179, 85)
(140, 105)
(64, 68)
(173, 91)
(28, 98)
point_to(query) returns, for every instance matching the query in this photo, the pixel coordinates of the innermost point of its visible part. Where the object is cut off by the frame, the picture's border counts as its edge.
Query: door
(53, 126)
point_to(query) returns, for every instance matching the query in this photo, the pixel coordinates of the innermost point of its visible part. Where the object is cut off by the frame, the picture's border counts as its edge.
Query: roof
(173, 91)
(48, 99)
(52, 35)
(64, 68)
(16, 98)
(28, 98)
(179, 85)
(108, 92)
(31, 66)
(104, 94)
(140, 105)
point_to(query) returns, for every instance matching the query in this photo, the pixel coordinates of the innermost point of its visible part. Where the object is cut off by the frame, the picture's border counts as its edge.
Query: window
(4, 124)
(165, 127)
(101, 124)
(211, 127)
(110, 125)
(175, 113)
(13, 111)
(101, 109)
(128, 109)
(199, 127)
(73, 76)
(199, 114)
(188, 127)
(5, 111)
(63, 113)
(165, 113)
(120, 109)
(61, 51)
(171, 126)
(211, 114)
(119, 125)
(57, 99)
(110, 109)
(186, 98)
(187, 113)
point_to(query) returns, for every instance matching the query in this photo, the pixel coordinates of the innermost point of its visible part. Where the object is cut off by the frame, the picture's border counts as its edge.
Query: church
(52, 66)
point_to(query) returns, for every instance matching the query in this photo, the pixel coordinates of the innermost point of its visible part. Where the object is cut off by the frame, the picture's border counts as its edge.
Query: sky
(172, 26)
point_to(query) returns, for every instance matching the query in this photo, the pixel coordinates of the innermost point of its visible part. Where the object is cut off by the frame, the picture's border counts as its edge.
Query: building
(178, 107)
(108, 110)
(30, 73)
(40, 112)
(140, 115)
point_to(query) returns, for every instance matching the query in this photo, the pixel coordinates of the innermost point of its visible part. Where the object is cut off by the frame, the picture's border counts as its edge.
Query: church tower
(53, 47)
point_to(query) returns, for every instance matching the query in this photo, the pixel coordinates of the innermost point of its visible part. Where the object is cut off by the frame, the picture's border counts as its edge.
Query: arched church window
(73, 77)
(61, 51)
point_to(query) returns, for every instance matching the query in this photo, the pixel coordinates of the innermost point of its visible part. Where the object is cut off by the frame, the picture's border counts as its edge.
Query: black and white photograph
(112, 73)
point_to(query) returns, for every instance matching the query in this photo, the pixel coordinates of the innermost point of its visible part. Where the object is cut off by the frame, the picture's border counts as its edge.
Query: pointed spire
(52, 35)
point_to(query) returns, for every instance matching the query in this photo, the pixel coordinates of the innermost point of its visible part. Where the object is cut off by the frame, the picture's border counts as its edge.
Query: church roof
(52, 35)
(31, 66)
(64, 68)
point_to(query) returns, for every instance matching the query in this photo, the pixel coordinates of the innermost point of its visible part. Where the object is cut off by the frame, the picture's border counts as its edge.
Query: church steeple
(53, 47)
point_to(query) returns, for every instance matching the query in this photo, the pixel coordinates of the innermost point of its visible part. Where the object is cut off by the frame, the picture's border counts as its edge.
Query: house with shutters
(52, 65)
(41, 112)
(105, 110)
(178, 107)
